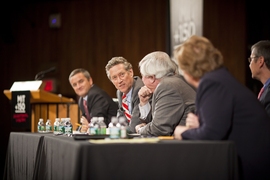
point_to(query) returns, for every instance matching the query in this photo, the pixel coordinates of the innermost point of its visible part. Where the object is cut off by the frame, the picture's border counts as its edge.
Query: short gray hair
(80, 70)
(159, 64)
(115, 61)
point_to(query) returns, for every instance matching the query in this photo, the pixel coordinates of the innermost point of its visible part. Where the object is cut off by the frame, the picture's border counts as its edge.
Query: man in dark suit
(97, 102)
(120, 73)
(172, 97)
(259, 64)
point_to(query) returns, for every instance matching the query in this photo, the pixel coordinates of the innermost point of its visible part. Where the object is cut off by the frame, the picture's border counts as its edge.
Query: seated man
(172, 97)
(120, 72)
(259, 64)
(93, 101)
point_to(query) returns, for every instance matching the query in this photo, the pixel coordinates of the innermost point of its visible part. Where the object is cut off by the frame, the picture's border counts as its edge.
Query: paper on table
(135, 140)
(166, 137)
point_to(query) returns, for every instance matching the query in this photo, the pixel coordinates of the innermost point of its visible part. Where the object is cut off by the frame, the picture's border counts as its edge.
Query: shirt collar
(85, 97)
(266, 83)
(129, 95)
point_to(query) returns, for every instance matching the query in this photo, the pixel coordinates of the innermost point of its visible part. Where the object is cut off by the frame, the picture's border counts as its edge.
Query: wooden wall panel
(91, 33)
(52, 111)
(225, 26)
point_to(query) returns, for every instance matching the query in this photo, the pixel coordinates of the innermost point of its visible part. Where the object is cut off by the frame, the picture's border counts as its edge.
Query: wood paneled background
(94, 31)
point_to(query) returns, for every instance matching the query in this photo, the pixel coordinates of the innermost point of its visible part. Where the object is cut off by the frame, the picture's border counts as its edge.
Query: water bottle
(102, 125)
(40, 125)
(62, 126)
(123, 127)
(56, 126)
(114, 130)
(48, 126)
(93, 127)
(68, 127)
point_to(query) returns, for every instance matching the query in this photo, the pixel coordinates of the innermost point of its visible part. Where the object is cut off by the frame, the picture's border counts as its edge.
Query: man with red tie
(93, 101)
(259, 64)
(120, 72)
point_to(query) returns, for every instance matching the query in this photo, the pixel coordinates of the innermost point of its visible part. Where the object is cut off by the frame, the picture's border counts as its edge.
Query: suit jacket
(99, 104)
(265, 99)
(172, 100)
(227, 110)
(135, 116)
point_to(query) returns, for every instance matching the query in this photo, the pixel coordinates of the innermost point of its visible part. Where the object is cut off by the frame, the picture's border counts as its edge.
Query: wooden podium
(48, 105)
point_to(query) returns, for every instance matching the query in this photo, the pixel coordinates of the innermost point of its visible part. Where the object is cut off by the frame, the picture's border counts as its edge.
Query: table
(21, 159)
(60, 157)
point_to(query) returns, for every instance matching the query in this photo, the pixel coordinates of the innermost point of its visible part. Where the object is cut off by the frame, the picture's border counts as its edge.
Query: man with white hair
(172, 97)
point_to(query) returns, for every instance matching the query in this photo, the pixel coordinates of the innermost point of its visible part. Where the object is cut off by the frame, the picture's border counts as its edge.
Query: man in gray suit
(120, 72)
(172, 97)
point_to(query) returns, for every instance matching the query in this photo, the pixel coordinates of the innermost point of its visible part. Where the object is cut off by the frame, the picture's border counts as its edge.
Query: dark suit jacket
(99, 104)
(227, 110)
(265, 99)
(135, 117)
(172, 100)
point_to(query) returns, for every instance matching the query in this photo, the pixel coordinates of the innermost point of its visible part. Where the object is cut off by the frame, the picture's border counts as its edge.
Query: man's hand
(192, 121)
(178, 131)
(144, 94)
(85, 123)
(138, 127)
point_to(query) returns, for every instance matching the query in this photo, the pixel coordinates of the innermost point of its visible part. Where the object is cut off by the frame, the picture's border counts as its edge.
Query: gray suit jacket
(135, 115)
(172, 100)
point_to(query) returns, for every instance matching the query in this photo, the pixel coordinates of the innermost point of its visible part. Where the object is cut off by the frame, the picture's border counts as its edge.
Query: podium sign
(21, 109)
(30, 102)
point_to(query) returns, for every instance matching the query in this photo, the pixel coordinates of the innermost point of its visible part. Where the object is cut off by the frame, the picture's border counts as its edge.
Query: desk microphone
(41, 74)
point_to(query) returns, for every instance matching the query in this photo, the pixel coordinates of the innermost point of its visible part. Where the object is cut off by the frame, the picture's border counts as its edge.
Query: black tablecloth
(58, 157)
(21, 158)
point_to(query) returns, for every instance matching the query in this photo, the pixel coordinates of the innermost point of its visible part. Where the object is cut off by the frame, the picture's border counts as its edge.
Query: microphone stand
(41, 74)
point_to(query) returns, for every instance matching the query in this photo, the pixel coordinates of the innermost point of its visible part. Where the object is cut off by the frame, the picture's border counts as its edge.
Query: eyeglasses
(120, 75)
(250, 58)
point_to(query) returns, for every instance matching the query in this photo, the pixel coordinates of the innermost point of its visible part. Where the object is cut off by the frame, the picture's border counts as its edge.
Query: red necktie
(260, 93)
(86, 110)
(125, 107)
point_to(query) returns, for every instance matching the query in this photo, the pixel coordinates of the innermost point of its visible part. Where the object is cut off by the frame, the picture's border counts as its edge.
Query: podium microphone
(41, 74)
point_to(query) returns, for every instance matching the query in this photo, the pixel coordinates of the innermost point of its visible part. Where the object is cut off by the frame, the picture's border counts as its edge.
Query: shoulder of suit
(137, 81)
(119, 93)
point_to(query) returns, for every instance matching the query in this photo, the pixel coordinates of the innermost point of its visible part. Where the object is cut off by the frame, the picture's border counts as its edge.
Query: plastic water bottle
(68, 127)
(93, 127)
(114, 130)
(123, 127)
(48, 126)
(56, 126)
(40, 126)
(102, 125)
(62, 126)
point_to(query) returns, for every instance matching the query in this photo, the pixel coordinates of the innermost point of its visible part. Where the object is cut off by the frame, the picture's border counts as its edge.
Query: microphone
(41, 74)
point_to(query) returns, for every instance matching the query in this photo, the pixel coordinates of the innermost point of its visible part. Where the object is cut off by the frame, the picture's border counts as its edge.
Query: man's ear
(91, 81)
(131, 72)
(260, 61)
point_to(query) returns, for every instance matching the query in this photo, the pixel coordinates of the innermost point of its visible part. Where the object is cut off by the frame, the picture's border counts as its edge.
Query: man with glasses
(172, 97)
(120, 73)
(259, 64)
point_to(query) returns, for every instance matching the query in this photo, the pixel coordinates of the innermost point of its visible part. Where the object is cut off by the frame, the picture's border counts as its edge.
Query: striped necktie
(260, 93)
(86, 110)
(125, 107)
